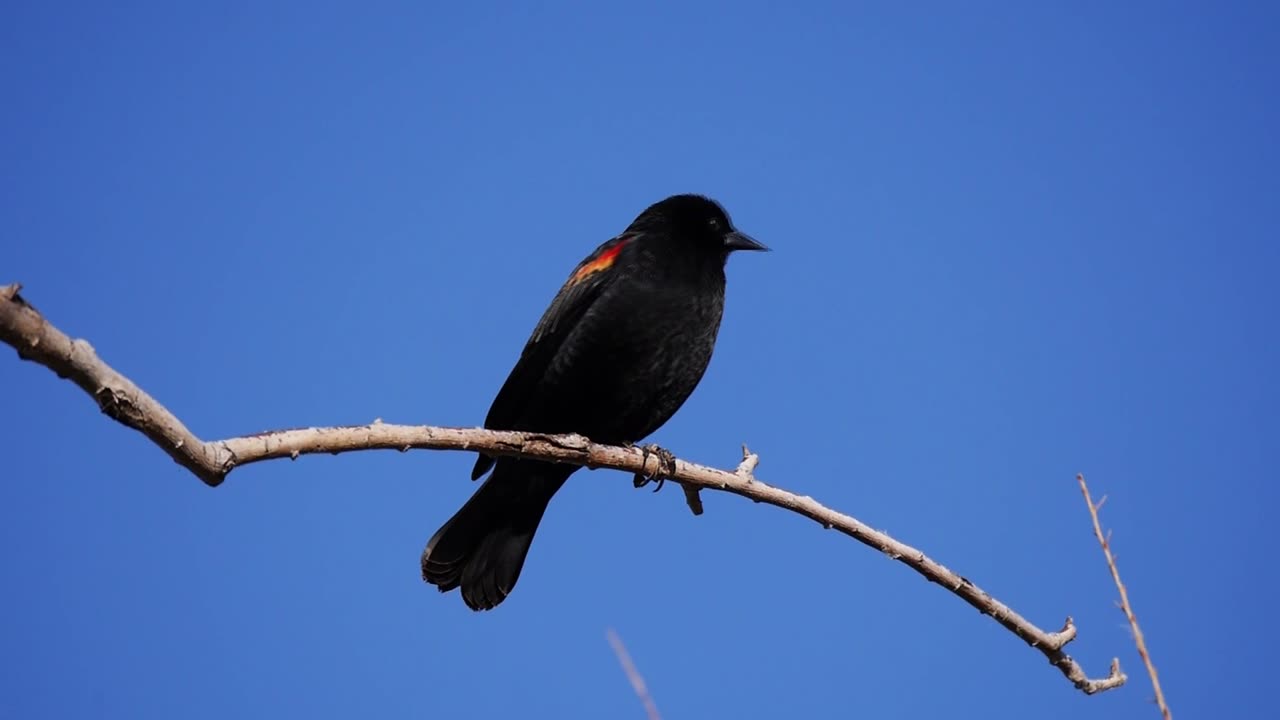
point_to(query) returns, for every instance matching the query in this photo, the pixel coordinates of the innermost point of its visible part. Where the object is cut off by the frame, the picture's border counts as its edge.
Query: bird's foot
(666, 466)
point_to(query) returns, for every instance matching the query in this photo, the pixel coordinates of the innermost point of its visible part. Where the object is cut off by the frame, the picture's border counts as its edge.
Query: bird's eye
(714, 223)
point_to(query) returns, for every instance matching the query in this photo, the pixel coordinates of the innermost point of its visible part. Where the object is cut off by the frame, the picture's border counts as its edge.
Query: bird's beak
(742, 241)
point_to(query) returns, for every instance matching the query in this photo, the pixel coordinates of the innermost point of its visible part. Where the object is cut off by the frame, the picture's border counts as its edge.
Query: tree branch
(633, 675)
(35, 339)
(1138, 639)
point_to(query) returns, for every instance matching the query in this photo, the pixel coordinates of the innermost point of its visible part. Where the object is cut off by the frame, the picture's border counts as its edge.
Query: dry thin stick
(35, 339)
(1105, 541)
(633, 675)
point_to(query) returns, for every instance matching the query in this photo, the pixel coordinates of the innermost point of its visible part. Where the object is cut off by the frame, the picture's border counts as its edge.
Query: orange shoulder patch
(602, 262)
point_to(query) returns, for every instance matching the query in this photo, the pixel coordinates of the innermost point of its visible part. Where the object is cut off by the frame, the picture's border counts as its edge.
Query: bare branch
(35, 339)
(1138, 639)
(633, 675)
(22, 326)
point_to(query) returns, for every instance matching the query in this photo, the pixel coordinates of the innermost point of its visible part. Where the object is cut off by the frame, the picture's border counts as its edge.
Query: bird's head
(696, 220)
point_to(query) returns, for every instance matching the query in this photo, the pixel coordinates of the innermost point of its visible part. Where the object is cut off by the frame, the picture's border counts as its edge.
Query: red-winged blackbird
(622, 346)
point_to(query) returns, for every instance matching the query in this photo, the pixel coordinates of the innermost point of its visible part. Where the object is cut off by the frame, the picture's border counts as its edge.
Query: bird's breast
(634, 359)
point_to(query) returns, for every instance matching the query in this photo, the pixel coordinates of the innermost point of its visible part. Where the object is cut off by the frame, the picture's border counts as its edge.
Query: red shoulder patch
(601, 262)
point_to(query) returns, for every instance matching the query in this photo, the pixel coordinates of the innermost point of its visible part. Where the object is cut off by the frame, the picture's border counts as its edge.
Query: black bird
(622, 346)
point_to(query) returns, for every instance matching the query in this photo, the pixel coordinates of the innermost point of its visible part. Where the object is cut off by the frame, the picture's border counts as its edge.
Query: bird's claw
(666, 466)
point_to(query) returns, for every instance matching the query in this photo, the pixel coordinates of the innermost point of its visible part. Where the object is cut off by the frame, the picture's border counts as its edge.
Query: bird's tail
(483, 546)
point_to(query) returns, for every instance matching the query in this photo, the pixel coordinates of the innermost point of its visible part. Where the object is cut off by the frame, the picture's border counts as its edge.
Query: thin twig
(1105, 541)
(633, 675)
(35, 339)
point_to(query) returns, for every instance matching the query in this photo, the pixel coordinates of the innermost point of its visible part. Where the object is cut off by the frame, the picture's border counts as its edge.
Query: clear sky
(1013, 242)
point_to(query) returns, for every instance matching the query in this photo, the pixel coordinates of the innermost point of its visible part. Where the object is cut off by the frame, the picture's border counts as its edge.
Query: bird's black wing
(569, 305)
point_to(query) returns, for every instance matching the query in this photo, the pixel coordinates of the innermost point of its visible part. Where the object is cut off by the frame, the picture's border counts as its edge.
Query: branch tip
(1114, 679)
(1068, 632)
(692, 498)
(633, 674)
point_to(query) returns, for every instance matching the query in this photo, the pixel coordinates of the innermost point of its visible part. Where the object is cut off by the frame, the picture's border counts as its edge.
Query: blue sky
(1013, 242)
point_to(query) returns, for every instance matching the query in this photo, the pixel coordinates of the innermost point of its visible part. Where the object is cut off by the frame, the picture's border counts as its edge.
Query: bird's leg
(640, 479)
(666, 466)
